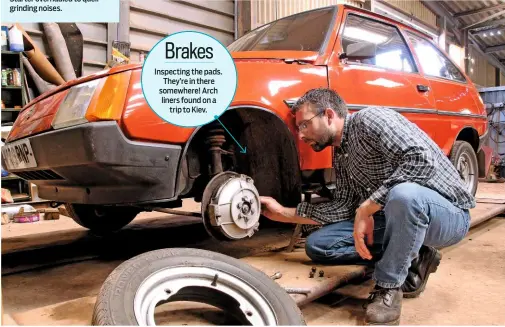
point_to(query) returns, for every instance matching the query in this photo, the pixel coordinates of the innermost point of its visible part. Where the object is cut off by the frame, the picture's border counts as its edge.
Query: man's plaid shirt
(380, 148)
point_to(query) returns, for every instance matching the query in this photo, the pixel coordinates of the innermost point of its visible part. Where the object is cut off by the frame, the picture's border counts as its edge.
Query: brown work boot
(426, 263)
(384, 306)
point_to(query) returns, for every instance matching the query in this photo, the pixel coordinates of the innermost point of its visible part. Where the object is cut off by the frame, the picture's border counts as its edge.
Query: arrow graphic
(242, 150)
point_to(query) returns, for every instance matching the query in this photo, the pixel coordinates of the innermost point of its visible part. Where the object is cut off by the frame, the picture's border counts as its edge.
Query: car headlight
(72, 110)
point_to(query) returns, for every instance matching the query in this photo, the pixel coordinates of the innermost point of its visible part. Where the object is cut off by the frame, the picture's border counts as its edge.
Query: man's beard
(326, 140)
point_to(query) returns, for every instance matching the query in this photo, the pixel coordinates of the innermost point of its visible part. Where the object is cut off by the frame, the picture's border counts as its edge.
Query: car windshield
(303, 32)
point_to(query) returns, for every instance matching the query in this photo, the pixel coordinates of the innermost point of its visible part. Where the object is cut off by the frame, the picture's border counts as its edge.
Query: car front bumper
(95, 163)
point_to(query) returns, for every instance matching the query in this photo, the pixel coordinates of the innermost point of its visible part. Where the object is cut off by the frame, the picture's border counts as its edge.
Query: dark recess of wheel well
(471, 136)
(271, 158)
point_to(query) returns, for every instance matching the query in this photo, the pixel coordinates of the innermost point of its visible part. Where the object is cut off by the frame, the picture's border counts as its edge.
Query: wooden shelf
(5, 52)
(10, 178)
(26, 202)
(19, 188)
(20, 197)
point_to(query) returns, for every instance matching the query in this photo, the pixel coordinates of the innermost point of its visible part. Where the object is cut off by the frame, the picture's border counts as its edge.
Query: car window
(433, 61)
(303, 32)
(392, 51)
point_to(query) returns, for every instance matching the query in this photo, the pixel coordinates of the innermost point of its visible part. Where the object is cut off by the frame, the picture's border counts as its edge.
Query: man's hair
(321, 99)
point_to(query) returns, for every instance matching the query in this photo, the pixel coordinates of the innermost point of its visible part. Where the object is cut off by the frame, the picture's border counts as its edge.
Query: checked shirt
(380, 148)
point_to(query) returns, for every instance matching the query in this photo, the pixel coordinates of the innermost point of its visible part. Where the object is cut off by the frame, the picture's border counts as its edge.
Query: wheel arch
(470, 135)
(248, 124)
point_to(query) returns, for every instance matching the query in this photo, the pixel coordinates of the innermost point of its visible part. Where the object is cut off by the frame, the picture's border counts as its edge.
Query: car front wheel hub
(231, 206)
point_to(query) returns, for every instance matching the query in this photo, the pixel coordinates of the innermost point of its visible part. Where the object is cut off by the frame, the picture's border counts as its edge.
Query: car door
(390, 79)
(454, 101)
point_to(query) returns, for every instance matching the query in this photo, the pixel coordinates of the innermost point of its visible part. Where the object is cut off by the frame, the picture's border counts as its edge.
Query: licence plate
(19, 155)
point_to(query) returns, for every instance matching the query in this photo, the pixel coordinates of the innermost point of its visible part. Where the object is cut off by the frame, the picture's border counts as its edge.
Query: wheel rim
(466, 169)
(200, 284)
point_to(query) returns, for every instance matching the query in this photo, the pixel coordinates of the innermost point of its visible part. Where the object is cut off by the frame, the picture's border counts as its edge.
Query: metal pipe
(327, 286)
(235, 19)
(297, 290)
(123, 27)
(178, 212)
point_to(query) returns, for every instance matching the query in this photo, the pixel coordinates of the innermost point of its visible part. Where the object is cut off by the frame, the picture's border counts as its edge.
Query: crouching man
(397, 198)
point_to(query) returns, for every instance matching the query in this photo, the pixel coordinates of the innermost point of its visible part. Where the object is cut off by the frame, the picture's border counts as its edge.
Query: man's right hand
(275, 211)
(270, 206)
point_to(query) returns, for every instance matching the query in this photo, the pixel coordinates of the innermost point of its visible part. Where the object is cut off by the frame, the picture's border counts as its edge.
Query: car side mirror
(360, 51)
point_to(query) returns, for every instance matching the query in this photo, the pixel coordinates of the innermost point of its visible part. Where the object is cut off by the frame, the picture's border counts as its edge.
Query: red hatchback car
(95, 145)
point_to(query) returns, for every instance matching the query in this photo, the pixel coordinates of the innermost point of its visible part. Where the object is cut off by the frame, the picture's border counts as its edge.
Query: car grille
(39, 175)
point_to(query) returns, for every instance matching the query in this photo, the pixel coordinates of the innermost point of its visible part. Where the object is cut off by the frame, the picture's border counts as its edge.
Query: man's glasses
(305, 123)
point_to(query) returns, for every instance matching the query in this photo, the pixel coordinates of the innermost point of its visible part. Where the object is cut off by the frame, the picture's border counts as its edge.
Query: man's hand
(363, 227)
(270, 206)
(369, 207)
(275, 211)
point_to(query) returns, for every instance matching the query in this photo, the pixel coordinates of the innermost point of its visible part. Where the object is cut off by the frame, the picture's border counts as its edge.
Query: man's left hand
(369, 207)
(364, 227)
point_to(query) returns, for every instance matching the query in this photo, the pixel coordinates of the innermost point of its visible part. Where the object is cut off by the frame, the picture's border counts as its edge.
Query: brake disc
(231, 206)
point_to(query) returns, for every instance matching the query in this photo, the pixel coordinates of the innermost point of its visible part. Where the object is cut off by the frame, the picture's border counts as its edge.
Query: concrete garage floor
(466, 290)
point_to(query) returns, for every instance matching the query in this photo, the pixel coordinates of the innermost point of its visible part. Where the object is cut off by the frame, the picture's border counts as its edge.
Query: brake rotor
(231, 206)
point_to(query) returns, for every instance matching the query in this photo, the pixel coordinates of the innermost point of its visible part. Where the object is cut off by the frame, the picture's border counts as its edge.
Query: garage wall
(266, 11)
(484, 74)
(95, 43)
(417, 9)
(152, 20)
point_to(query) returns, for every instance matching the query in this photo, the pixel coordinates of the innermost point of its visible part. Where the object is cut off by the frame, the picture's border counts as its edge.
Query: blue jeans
(413, 215)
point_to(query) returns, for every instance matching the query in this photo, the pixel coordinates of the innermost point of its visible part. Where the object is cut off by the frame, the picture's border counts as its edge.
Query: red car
(95, 144)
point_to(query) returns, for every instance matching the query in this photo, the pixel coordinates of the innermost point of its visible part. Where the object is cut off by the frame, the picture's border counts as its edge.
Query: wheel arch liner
(272, 157)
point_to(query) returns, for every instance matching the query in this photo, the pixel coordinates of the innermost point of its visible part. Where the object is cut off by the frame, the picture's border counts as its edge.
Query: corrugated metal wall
(95, 43)
(482, 73)
(417, 9)
(151, 20)
(266, 11)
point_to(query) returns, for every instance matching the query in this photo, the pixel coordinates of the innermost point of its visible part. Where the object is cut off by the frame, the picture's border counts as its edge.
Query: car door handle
(423, 88)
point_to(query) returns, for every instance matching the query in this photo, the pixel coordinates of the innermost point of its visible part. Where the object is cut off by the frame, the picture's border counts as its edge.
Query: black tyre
(463, 157)
(132, 291)
(101, 220)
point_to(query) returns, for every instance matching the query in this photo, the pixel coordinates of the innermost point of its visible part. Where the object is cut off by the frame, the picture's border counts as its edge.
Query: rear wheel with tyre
(463, 157)
(101, 220)
(137, 287)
